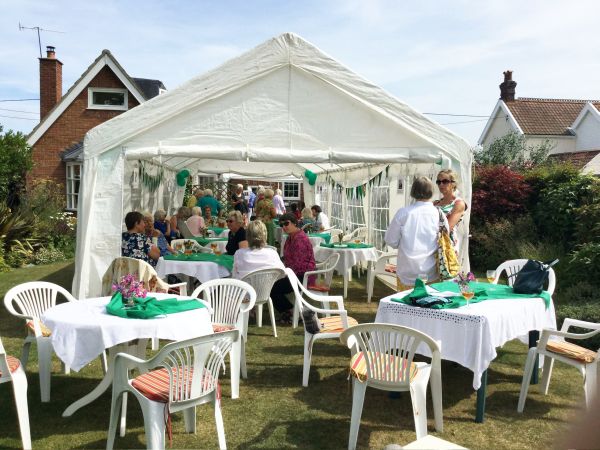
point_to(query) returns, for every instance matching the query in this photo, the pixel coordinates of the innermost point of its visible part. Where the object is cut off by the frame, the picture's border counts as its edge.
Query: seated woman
(161, 223)
(237, 233)
(196, 223)
(307, 219)
(153, 233)
(183, 214)
(321, 219)
(135, 243)
(256, 256)
(298, 255)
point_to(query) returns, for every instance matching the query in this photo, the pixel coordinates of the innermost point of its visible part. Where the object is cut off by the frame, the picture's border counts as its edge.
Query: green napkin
(222, 260)
(149, 307)
(205, 241)
(483, 292)
(419, 291)
(217, 230)
(345, 245)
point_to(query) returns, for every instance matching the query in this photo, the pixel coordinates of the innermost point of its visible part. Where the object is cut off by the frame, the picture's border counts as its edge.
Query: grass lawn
(274, 411)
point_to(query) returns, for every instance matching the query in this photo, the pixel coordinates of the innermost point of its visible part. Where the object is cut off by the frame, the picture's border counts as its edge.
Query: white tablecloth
(315, 241)
(82, 330)
(349, 257)
(201, 270)
(470, 335)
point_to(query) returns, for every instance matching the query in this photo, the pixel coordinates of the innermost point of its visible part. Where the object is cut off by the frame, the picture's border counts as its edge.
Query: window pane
(109, 98)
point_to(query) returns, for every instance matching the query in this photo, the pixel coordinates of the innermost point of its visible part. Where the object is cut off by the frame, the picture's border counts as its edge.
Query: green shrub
(48, 255)
(21, 253)
(584, 263)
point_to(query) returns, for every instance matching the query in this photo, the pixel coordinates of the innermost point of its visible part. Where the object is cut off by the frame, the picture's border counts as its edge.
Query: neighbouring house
(102, 92)
(572, 126)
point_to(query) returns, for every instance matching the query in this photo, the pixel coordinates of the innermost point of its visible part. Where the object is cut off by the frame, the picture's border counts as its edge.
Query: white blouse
(414, 232)
(248, 260)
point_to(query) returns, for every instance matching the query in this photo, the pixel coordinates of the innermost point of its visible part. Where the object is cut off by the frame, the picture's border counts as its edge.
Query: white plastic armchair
(262, 281)
(384, 270)
(322, 284)
(358, 233)
(181, 376)
(29, 301)
(226, 299)
(185, 231)
(335, 232)
(584, 360)
(194, 245)
(512, 267)
(337, 319)
(11, 371)
(382, 358)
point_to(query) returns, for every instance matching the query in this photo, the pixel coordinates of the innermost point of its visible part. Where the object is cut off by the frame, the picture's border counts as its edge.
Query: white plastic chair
(382, 270)
(358, 233)
(11, 370)
(262, 281)
(195, 246)
(586, 362)
(226, 298)
(330, 327)
(335, 232)
(29, 301)
(386, 354)
(185, 231)
(512, 267)
(324, 274)
(180, 376)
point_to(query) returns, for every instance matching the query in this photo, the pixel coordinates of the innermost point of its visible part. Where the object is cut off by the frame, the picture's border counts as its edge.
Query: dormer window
(107, 98)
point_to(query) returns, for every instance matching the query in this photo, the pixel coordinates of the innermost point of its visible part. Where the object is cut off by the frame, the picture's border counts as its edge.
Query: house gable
(587, 129)
(500, 123)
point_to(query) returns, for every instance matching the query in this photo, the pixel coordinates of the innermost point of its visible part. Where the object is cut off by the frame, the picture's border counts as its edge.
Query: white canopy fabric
(274, 111)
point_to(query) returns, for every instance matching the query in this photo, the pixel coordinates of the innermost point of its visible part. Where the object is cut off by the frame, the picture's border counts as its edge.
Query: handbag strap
(442, 224)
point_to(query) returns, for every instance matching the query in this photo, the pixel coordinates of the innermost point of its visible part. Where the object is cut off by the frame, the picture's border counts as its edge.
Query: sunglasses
(285, 224)
(438, 182)
(229, 221)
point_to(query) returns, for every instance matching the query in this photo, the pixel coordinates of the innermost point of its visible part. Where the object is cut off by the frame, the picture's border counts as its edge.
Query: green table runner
(217, 230)
(149, 307)
(483, 292)
(346, 245)
(222, 260)
(205, 241)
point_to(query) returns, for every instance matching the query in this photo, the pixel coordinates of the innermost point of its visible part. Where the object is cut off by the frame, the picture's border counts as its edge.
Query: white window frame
(379, 212)
(298, 187)
(123, 107)
(72, 197)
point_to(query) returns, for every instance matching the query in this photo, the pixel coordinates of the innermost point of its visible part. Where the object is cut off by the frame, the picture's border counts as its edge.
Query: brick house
(572, 126)
(102, 92)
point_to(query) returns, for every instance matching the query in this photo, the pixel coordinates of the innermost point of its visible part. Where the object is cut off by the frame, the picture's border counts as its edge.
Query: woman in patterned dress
(450, 204)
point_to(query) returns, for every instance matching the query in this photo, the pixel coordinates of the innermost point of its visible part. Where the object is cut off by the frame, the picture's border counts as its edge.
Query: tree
(15, 161)
(511, 150)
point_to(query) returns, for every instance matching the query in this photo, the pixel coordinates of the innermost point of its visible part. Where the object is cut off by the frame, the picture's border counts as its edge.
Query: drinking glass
(467, 293)
(491, 275)
(213, 247)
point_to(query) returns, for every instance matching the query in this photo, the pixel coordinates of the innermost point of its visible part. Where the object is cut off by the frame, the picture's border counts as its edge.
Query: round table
(349, 257)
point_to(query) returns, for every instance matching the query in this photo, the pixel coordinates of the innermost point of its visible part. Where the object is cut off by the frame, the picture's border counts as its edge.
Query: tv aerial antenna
(38, 29)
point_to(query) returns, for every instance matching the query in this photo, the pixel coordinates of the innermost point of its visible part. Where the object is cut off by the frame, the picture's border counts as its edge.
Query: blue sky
(437, 56)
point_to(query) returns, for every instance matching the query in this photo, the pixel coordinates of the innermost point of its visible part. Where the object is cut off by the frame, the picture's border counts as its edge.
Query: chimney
(50, 82)
(507, 88)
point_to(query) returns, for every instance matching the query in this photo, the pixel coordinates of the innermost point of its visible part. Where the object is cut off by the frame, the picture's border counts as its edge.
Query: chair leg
(104, 363)
(219, 423)
(65, 368)
(19, 381)
(590, 381)
(25, 354)
(234, 362)
(115, 408)
(358, 398)
(295, 315)
(259, 311)
(546, 374)
(154, 424)
(243, 368)
(44, 348)
(123, 421)
(370, 279)
(435, 382)
(189, 419)
(272, 314)
(526, 378)
(308, 345)
(418, 397)
(154, 344)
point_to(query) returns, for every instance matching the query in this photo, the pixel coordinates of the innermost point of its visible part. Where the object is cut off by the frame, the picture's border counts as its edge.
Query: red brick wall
(50, 84)
(71, 127)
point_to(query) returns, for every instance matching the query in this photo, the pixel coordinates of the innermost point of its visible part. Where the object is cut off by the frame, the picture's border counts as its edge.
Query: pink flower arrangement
(463, 279)
(129, 286)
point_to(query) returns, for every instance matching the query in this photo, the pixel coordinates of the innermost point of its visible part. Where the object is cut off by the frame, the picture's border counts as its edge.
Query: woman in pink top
(196, 223)
(298, 255)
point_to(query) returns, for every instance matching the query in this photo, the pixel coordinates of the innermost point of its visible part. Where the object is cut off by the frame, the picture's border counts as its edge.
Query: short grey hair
(196, 211)
(208, 192)
(269, 193)
(278, 192)
(237, 216)
(422, 189)
(160, 215)
(240, 186)
(256, 234)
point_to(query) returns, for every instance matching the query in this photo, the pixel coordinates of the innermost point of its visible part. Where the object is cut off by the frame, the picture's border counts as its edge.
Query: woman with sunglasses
(237, 233)
(298, 255)
(451, 204)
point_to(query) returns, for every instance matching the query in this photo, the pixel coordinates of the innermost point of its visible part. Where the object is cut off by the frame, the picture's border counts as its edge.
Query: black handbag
(311, 322)
(532, 277)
